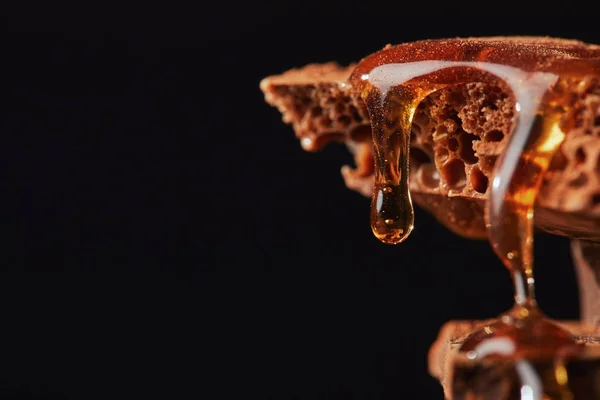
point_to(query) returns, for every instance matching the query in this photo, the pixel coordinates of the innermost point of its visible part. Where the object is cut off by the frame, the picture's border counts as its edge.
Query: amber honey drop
(392, 215)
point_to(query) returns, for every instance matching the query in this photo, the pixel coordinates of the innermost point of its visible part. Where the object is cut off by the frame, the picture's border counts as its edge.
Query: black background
(164, 234)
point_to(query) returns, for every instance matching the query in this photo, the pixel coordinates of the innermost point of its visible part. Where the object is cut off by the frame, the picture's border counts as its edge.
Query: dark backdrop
(163, 233)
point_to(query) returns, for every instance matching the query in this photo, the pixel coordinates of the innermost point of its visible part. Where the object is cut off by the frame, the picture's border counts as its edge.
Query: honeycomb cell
(453, 144)
(428, 176)
(441, 155)
(580, 181)
(326, 122)
(478, 180)
(465, 148)
(344, 120)
(316, 111)
(580, 155)
(453, 173)
(355, 114)
(493, 136)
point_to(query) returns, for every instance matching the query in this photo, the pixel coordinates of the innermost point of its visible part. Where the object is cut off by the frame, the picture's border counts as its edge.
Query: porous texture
(458, 133)
(318, 103)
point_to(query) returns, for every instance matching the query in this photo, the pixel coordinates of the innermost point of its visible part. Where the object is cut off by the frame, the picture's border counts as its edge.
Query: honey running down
(395, 80)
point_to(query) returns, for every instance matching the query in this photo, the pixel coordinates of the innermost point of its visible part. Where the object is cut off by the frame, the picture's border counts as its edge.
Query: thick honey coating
(530, 54)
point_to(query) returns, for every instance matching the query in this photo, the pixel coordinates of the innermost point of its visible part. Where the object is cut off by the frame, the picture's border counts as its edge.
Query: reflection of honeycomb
(458, 134)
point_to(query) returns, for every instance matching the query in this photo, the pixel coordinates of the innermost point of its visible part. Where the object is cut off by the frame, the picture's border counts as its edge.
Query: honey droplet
(391, 214)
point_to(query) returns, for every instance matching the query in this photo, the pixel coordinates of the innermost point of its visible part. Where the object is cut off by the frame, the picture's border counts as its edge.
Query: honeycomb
(457, 135)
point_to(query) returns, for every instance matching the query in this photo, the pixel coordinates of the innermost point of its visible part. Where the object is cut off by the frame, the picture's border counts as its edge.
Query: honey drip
(392, 214)
(392, 86)
(395, 92)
